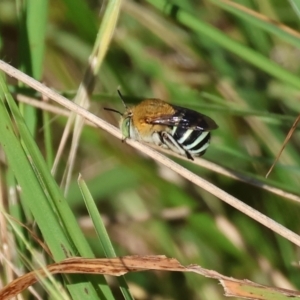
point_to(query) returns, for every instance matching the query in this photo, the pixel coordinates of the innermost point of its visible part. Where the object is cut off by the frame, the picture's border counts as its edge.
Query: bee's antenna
(122, 98)
(114, 110)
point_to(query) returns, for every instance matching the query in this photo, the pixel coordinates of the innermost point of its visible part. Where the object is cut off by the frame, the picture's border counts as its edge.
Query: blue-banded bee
(179, 129)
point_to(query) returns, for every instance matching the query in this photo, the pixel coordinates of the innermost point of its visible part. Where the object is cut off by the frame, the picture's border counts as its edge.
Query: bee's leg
(172, 144)
(156, 138)
(188, 155)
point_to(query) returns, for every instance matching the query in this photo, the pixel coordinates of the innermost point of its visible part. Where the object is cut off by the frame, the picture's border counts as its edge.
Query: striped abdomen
(193, 141)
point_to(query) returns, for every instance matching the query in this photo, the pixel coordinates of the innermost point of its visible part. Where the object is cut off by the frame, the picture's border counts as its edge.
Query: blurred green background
(239, 68)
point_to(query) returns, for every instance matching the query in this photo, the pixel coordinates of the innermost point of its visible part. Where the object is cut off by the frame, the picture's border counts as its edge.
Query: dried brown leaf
(122, 265)
(250, 290)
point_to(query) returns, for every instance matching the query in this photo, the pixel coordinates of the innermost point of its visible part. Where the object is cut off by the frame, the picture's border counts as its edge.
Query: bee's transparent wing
(186, 118)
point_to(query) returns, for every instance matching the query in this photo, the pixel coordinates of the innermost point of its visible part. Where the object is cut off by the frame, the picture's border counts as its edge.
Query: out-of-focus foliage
(238, 68)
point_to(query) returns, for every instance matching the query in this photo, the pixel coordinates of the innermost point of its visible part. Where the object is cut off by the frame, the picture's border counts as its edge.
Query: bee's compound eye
(126, 127)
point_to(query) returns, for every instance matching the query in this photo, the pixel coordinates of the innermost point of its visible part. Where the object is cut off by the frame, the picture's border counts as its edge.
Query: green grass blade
(31, 188)
(296, 7)
(35, 26)
(206, 31)
(105, 33)
(32, 24)
(97, 220)
(33, 194)
(43, 189)
(48, 139)
(262, 22)
(79, 13)
(102, 233)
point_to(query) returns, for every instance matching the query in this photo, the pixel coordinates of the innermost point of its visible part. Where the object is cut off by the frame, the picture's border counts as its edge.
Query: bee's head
(125, 123)
(125, 120)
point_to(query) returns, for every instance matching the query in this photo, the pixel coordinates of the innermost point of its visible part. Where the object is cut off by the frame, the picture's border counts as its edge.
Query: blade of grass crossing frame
(36, 31)
(282, 31)
(51, 286)
(32, 27)
(79, 13)
(296, 7)
(105, 33)
(16, 209)
(209, 32)
(102, 233)
(48, 139)
(84, 92)
(44, 198)
(30, 187)
(33, 195)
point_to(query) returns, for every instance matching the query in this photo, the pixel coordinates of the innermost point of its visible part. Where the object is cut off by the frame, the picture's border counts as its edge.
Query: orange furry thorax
(150, 108)
(147, 110)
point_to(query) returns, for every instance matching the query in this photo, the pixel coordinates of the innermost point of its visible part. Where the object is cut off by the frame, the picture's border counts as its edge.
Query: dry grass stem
(211, 188)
